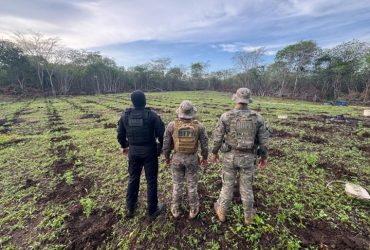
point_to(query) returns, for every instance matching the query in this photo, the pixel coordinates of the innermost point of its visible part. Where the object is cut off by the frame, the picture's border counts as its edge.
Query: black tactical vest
(139, 131)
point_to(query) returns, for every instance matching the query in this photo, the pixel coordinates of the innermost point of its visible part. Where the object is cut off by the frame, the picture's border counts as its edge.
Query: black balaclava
(138, 99)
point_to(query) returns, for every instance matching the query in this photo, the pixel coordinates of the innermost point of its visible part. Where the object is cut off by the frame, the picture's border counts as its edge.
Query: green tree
(15, 64)
(298, 58)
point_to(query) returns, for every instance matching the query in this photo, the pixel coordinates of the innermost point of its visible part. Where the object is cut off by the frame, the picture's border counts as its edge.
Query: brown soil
(90, 101)
(337, 171)
(287, 123)
(101, 120)
(104, 105)
(88, 233)
(109, 125)
(316, 128)
(55, 124)
(313, 139)
(366, 135)
(28, 112)
(366, 123)
(2, 122)
(60, 138)
(282, 134)
(18, 120)
(61, 150)
(313, 118)
(12, 142)
(332, 119)
(60, 166)
(116, 109)
(274, 152)
(88, 116)
(322, 235)
(60, 129)
(29, 183)
(54, 117)
(365, 148)
(323, 129)
(64, 192)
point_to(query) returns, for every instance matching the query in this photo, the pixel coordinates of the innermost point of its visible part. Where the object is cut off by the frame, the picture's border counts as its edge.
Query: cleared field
(63, 180)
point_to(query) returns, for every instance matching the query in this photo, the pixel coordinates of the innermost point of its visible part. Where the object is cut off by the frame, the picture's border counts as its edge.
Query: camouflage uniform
(239, 161)
(185, 166)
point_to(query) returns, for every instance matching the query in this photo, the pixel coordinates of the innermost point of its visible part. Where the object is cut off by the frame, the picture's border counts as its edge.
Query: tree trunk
(366, 90)
(295, 84)
(282, 87)
(21, 83)
(40, 75)
(52, 85)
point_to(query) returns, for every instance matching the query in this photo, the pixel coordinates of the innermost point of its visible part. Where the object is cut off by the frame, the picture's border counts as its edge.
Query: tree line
(36, 64)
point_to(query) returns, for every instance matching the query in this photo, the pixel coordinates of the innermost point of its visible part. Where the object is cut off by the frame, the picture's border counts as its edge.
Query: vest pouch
(225, 147)
(139, 131)
(242, 132)
(185, 137)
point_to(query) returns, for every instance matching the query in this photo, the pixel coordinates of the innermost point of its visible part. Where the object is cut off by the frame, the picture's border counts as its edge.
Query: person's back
(140, 124)
(183, 135)
(238, 134)
(138, 130)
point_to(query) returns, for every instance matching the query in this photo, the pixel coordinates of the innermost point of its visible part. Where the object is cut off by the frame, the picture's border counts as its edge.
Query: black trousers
(136, 164)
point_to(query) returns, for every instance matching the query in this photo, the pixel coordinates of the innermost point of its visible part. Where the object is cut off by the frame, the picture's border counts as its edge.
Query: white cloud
(251, 48)
(96, 23)
(270, 49)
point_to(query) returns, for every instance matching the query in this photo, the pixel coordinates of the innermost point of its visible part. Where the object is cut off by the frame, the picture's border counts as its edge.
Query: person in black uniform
(140, 133)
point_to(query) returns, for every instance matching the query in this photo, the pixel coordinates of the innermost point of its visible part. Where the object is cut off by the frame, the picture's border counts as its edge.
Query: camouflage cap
(242, 95)
(186, 110)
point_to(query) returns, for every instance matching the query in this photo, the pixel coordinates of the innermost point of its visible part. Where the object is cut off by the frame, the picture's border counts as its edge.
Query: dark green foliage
(301, 70)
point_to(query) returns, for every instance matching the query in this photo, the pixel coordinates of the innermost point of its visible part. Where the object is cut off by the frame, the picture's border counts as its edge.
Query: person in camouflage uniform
(238, 134)
(183, 135)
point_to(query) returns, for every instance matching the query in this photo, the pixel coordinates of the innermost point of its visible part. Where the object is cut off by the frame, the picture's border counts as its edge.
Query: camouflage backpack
(242, 131)
(185, 136)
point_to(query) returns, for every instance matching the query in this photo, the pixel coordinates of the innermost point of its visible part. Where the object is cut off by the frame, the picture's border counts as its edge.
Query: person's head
(138, 99)
(186, 110)
(242, 96)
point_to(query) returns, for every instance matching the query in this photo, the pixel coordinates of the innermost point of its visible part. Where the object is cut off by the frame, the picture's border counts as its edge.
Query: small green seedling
(88, 206)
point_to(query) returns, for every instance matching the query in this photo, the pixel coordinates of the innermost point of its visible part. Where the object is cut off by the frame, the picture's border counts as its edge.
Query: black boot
(130, 211)
(160, 209)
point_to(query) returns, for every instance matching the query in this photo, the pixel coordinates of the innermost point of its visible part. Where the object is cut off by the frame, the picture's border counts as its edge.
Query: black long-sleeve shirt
(157, 125)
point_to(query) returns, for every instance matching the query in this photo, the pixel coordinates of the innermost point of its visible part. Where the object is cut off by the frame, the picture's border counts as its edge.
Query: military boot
(175, 212)
(160, 208)
(131, 211)
(219, 212)
(193, 213)
(248, 218)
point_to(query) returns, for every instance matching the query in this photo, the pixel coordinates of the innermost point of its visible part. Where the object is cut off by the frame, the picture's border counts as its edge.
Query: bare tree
(246, 60)
(45, 53)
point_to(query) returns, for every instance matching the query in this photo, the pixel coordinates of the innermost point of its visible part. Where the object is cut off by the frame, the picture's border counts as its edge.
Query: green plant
(293, 244)
(68, 177)
(311, 159)
(88, 206)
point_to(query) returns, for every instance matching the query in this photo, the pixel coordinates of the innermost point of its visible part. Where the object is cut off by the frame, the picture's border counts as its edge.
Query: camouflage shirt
(223, 127)
(168, 143)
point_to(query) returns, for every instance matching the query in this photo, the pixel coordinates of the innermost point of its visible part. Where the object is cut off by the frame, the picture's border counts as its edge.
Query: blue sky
(134, 31)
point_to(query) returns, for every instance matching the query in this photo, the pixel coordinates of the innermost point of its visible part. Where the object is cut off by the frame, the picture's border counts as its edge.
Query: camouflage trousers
(232, 165)
(185, 169)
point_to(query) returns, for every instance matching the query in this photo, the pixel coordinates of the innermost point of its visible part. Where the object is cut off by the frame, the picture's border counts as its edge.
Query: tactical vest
(139, 131)
(242, 130)
(185, 136)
